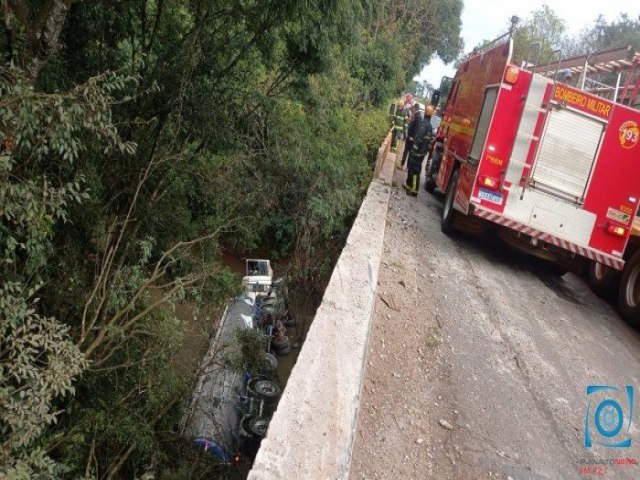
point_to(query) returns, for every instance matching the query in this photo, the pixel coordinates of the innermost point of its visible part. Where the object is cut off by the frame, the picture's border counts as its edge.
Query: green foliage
(543, 26)
(38, 365)
(601, 35)
(39, 360)
(422, 30)
(245, 354)
(251, 125)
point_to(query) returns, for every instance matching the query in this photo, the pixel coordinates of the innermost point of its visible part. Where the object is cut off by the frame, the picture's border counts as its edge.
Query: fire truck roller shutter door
(567, 153)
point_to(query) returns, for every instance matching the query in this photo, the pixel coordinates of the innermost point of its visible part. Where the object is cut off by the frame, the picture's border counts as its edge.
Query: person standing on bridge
(416, 121)
(436, 119)
(419, 150)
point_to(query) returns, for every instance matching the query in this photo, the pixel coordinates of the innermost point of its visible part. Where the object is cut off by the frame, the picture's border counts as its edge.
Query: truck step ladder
(525, 135)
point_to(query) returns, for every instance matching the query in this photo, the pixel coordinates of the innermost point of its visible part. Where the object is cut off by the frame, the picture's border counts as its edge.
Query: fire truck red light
(616, 230)
(488, 182)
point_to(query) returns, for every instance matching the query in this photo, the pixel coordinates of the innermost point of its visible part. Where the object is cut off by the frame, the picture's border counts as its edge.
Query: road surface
(479, 362)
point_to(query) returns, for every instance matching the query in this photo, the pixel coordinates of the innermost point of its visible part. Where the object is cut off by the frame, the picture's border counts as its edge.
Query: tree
(39, 360)
(601, 35)
(32, 32)
(543, 27)
(246, 125)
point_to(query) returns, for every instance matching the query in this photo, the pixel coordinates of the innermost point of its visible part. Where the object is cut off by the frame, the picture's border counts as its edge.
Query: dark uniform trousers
(413, 175)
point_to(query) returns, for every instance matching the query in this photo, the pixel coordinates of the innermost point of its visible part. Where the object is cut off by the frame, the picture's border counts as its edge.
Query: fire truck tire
(629, 292)
(430, 172)
(429, 181)
(430, 185)
(556, 270)
(448, 212)
(603, 280)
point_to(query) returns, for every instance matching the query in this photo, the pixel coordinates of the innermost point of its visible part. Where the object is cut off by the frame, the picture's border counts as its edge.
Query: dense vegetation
(141, 136)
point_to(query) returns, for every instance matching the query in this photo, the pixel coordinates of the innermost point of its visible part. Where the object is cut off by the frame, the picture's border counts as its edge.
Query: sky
(482, 19)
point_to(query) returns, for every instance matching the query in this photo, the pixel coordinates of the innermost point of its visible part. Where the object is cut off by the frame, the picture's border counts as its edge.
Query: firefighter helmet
(429, 110)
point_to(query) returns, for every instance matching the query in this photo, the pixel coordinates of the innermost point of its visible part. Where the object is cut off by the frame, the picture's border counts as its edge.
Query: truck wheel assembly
(431, 171)
(281, 345)
(429, 181)
(264, 388)
(629, 293)
(253, 427)
(602, 279)
(258, 426)
(285, 350)
(448, 212)
(554, 269)
(270, 362)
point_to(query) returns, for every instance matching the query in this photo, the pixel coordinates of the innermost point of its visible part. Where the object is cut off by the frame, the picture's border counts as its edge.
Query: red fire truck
(554, 167)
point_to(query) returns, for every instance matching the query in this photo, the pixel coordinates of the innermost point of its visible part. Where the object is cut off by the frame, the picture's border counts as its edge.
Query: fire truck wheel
(448, 212)
(429, 181)
(629, 293)
(603, 280)
(555, 270)
(430, 172)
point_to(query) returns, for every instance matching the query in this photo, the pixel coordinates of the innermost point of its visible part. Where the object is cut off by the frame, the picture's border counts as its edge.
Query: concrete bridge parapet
(312, 432)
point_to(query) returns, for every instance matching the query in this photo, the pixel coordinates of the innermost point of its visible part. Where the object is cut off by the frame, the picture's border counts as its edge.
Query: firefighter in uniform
(420, 147)
(399, 120)
(417, 117)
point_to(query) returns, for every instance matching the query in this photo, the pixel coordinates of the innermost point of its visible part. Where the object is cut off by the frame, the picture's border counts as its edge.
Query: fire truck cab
(554, 167)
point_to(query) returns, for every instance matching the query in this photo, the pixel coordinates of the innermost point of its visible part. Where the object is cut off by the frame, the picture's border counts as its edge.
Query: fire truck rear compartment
(550, 214)
(552, 201)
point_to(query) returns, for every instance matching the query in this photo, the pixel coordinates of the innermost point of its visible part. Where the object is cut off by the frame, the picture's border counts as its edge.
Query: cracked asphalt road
(478, 362)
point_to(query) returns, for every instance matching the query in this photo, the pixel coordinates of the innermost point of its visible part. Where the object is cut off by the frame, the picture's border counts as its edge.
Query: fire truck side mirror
(435, 98)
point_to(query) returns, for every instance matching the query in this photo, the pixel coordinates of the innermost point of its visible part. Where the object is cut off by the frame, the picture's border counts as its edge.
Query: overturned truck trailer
(228, 412)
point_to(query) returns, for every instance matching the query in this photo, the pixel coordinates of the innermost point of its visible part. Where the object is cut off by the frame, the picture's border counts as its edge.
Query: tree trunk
(42, 28)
